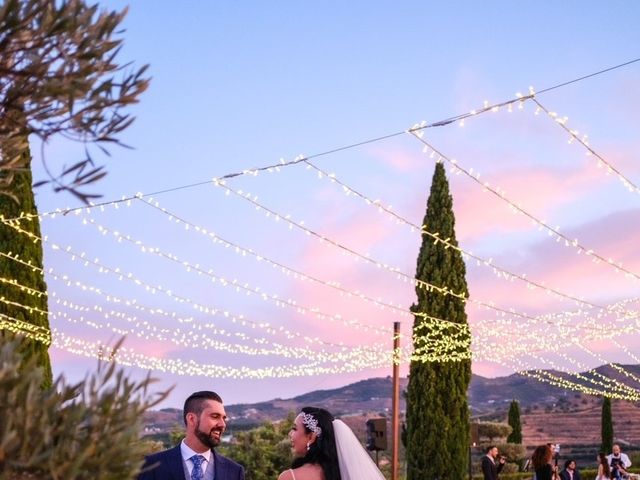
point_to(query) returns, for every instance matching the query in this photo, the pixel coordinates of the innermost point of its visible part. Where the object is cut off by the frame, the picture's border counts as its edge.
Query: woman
(541, 461)
(604, 472)
(327, 449)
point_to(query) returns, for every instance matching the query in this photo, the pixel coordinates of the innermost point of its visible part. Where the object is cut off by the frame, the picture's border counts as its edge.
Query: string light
(491, 306)
(203, 308)
(574, 135)
(552, 379)
(213, 329)
(203, 341)
(34, 332)
(609, 384)
(420, 284)
(500, 272)
(553, 232)
(199, 340)
(117, 300)
(485, 262)
(297, 274)
(509, 105)
(418, 356)
(125, 356)
(631, 395)
(626, 373)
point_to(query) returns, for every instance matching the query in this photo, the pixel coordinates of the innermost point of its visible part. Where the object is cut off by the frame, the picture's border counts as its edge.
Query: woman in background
(604, 472)
(541, 461)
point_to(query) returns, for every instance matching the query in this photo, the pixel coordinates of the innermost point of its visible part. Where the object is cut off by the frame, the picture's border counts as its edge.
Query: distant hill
(548, 412)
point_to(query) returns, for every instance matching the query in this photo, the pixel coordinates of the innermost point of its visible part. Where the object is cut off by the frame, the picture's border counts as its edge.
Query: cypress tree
(437, 410)
(15, 244)
(607, 426)
(514, 421)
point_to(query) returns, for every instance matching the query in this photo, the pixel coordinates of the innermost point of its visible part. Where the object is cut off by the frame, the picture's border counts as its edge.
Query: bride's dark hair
(323, 451)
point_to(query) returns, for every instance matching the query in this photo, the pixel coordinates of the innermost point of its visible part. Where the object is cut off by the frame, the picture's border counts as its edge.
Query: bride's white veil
(355, 462)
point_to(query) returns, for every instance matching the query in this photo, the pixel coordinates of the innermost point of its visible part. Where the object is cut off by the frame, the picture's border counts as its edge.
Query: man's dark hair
(489, 448)
(195, 402)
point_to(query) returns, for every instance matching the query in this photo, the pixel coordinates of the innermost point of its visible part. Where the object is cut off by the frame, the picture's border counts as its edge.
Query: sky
(254, 287)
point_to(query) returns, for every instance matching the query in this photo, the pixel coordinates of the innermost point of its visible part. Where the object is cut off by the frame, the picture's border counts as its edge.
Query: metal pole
(395, 403)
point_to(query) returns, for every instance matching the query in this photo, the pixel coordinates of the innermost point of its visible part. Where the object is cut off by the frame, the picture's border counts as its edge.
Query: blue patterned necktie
(196, 473)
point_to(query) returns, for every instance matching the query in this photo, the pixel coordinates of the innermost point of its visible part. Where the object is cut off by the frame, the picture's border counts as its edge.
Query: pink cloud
(490, 370)
(398, 159)
(538, 191)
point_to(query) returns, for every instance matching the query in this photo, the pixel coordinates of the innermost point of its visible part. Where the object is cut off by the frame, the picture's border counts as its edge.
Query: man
(570, 472)
(489, 468)
(618, 462)
(195, 457)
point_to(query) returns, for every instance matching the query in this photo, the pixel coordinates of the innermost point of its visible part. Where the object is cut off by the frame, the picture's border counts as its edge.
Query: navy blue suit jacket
(169, 467)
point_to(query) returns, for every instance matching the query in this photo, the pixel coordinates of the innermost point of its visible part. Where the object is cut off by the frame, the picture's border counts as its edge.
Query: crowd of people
(610, 467)
(324, 448)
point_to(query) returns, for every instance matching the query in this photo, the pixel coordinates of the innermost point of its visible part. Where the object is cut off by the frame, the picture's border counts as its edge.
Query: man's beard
(206, 438)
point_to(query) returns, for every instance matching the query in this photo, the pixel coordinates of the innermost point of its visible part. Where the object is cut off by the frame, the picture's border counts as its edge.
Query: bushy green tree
(514, 421)
(264, 451)
(86, 431)
(606, 425)
(437, 418)
(493, 430)
(514, 452)
(23, 297)
(59, 76)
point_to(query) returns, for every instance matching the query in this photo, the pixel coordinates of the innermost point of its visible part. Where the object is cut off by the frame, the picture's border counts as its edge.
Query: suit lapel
(176, 465)
(220, 470)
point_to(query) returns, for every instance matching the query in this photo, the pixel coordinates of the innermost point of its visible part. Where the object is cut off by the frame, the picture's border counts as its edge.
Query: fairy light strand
(235, 247)
(282, 163)
(430, 286)
(248, 197)
(517, 208)
(203, 308)
(582, 140)
(452, 342)
(501, 272)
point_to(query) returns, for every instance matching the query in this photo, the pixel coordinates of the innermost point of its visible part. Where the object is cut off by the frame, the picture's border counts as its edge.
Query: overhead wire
(301, 158)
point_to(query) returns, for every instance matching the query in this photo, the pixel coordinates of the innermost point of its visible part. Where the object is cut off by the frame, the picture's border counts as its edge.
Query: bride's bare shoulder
(305, 472)
(286, 475)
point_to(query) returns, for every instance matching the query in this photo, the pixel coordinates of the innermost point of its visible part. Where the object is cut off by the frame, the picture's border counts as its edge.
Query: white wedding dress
(355, 462)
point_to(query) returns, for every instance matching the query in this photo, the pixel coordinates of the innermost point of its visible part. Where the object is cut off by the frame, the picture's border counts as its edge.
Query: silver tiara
(311, 423)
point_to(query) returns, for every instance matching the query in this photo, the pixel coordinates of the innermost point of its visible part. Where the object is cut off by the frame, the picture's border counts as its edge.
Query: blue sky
(238, 85)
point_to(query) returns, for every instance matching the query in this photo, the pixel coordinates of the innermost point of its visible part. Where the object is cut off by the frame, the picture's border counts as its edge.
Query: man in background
(570, 471)
(490, 469)
(618, 462)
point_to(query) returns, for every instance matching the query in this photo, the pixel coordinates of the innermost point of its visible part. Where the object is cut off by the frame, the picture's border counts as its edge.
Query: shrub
(492, 430)
(85, 431)
(514, 452)
(264, 451)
